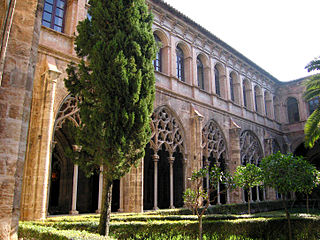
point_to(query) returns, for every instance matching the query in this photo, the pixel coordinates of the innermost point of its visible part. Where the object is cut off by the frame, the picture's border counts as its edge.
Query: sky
(280, 36)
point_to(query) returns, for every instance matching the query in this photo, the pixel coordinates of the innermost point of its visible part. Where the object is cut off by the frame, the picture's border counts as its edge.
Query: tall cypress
(115, 85)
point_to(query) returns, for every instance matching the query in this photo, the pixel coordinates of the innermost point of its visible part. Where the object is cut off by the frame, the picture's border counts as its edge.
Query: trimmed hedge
(253, 228)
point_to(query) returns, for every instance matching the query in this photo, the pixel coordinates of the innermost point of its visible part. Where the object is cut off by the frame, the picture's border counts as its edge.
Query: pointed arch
(250, 148)
(167, 130)
(214, 151)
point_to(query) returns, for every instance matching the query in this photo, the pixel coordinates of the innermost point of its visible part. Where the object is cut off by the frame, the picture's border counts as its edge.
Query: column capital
(171, 159)
(155, 157)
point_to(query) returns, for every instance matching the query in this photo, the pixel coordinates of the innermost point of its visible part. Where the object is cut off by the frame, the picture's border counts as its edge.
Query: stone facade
(199, 118)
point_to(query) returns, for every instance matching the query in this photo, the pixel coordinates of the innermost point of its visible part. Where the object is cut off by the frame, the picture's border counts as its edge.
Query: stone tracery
(166, 131)
(214, 151)
(251, 151)
(68, 111)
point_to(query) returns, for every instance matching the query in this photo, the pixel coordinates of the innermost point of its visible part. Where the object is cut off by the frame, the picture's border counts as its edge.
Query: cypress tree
(115, 85)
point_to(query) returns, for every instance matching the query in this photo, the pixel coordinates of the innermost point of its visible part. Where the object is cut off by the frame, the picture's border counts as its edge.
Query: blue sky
(281, 36)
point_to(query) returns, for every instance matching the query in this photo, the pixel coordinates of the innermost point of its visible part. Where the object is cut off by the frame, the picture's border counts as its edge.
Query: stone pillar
(218, 192)
(171, 160)
(155, 198)
(236, 196)
(17, 67)
(100, 190)
(74, 191)
(132, 197)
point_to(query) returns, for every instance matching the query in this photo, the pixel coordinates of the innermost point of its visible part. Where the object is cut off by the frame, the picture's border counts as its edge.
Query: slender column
(251, 195)
(243, 196)
(258, 197)
(171, 160)
(218, 193)
(228, 196)
(155, 200)
(74, 190)
(207, 163)
(264, 194)
(100, 190)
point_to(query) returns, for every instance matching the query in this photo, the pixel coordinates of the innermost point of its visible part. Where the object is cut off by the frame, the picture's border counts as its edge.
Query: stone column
(100, 190)
(171, 160)
(218, 193)
(74, 191)
(258, 197)
(20, 33)
(155, 200)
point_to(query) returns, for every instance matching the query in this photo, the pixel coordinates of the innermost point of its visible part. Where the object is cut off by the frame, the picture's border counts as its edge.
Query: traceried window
(231, 87)
(157, 61)
(313, 105)
(53, 14)
(180, 64)
(200, 73)
(293, 110)
(217, 80)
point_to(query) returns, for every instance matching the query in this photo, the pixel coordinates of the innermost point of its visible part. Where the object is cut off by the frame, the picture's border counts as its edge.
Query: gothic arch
(214, 151)
(251, 152)
(213, 141)
(167, 130)
(164, 162)
(68, 110)
(250, 148)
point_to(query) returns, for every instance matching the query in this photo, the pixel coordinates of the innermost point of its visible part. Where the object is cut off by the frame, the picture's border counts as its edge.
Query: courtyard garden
(220, 222)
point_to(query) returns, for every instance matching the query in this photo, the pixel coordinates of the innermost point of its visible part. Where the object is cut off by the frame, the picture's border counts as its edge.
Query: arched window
(180, 64)
(293, 110)
(256, 99)
(157, 61)
(313, 105)
(244, 92)
(200, 73)
(53, 14)
(217, 80)
(231, 87)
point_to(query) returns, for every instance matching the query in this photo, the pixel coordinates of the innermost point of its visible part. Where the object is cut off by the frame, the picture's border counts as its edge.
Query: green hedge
(242, 208)
(252, 228)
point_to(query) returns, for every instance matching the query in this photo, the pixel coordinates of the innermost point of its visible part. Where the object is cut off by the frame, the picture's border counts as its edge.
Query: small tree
(115, 85)
(194, 197)
(308, 178)
(287, 173)
(247, 177)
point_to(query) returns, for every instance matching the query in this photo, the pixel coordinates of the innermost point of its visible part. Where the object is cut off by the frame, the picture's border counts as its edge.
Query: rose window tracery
(251, 151)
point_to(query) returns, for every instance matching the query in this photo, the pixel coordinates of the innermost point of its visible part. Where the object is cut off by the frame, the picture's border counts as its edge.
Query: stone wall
(15, 102)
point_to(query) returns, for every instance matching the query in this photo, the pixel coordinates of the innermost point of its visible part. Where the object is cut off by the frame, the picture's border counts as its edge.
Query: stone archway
(164, 162)
(71, 191)
(251, 152)
(214, 151)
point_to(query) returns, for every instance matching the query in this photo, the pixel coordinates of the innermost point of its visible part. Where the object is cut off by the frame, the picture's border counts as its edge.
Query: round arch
(220, 80)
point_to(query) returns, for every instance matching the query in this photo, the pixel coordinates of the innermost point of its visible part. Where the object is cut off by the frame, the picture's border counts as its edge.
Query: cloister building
(213, 105)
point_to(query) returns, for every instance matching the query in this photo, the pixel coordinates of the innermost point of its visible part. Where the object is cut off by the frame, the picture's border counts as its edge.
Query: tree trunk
(104, 223)
(249, 200)
(288, 218)
(200, 228)
(308, 203)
